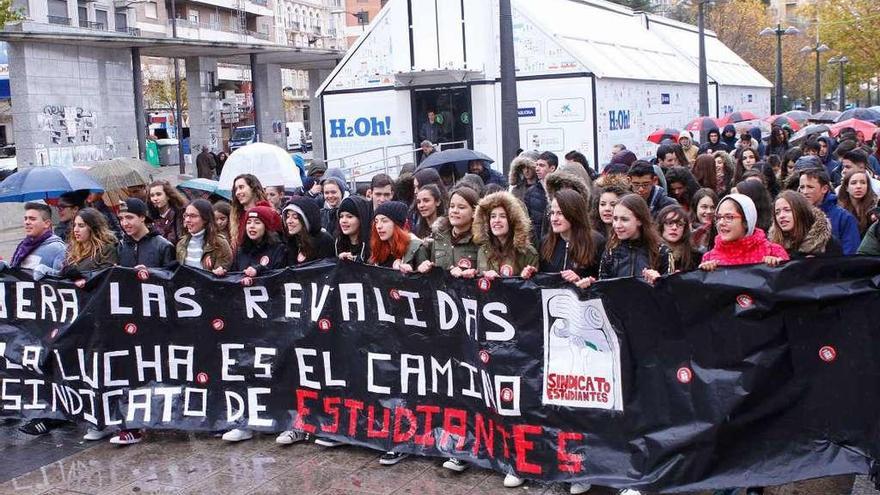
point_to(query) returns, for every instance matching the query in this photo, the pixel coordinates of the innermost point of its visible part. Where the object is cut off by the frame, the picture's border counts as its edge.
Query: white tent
(589, 74)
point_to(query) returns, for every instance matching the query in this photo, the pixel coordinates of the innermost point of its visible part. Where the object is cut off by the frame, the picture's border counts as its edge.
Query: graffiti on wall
(68, 124)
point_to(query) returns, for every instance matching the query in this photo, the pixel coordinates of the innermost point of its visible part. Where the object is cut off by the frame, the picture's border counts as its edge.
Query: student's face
(626, 225)
(749, 159)
(670, 160)
(332, 194)
(558, 222)
(255, 229)
(243, 192)
(858, 185)
(823, 148)
(291, 221)
(729, 222)
(193, 222)
(850, 166)
(274, 196)
(475, 167)
(543, 169)
(673, 229)
(381, 195)
(221, 221)
(81, 231)
(349, 224)
(643, 185)
(426, 204)
(384, 227)
(66, 213)
(784, 215)
(158, 197)
(607, 202)
(678, 190)
(812, 190)
(498, 222)
(706, 210)
(131, 224)
(460, 212)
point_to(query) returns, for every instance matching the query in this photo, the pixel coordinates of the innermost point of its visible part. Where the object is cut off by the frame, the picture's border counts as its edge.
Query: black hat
(395, 210)
(135, 206)
(308, 211)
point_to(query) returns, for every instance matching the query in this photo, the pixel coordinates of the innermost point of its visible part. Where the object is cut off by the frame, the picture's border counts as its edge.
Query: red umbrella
(866, 128)
(782, 120)
(701, 124)
(661, 135)
(735, 117)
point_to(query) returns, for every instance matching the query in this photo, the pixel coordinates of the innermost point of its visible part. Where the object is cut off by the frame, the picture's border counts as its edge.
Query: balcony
(61, 21)
(129, 31)
(99, 26)
(215, 32)
(264, 3)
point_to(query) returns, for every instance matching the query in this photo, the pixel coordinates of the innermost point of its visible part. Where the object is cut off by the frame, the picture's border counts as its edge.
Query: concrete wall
(71, 104)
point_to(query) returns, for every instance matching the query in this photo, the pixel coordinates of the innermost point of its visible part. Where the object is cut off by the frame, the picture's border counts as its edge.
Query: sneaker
(237, 435)
(392, 458)
(128, 437)
(577, 488)
(290, 437)
(326, 442)
(93, 434)
(40, 426)
(512, 481)
(456, 465)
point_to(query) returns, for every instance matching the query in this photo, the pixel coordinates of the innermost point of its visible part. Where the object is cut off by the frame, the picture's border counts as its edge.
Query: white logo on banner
(581, 353)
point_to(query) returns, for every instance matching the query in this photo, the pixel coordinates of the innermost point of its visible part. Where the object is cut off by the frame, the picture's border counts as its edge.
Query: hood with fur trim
(561, 180)
(517, 219)
(517, 166)
(816, 239)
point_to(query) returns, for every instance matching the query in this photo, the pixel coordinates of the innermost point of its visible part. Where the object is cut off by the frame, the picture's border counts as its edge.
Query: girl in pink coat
(738, 241)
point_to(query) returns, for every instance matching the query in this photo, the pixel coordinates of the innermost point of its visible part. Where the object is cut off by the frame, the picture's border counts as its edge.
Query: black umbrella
(865, 114)
(810, 130)
(456, 157)
(825, 116)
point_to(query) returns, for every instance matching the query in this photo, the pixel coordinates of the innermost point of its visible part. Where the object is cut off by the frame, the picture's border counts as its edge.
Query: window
(193, 16)
(121, 22)
(101, 19)
(151, 10)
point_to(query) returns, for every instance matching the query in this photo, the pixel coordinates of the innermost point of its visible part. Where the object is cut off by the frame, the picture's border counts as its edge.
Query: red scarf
(748, 250)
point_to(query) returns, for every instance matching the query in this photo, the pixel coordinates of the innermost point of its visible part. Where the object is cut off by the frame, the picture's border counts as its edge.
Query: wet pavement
(186, 463)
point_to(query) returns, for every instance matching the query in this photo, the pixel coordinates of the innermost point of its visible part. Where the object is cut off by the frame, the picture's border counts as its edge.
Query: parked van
(295, 132)
(243, 135)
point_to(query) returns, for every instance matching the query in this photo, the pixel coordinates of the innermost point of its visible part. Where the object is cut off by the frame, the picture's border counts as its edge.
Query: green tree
(7, 13)
(851, 28)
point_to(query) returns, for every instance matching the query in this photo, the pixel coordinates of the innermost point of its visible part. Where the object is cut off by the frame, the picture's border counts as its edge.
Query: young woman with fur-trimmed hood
(522, 176)
(502, 231)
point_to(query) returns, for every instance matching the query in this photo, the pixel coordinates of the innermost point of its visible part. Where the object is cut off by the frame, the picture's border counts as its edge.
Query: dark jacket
(719, 146)
(870, 245)
(414, 255)
(62, 230)
(322, 242)
(818, 241)
(844, 226)
(205, 165)
(169, 226)
(560, 260)
(152, 251)
(106, 258)
(832, 166)
(110, 216)
(536, 204)
(755, 132)
(629, 258)
(364, 209)
(729, 141)
(330, 220)
(659, 200)
(261, 257)
(491, 176)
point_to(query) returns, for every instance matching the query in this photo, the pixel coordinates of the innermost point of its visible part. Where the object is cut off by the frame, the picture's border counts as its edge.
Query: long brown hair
(176, 200)
(393, 248)
(206, 212)
(859, 208)
(647, 233)
(682, 251)
(582, 249)
(101, 237)
(801, 212)
(519, 227)
(237, 208)
(704, 171)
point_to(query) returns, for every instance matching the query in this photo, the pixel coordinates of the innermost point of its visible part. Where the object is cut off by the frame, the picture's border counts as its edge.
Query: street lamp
(819, 48)
(779, 32)
(841, 61)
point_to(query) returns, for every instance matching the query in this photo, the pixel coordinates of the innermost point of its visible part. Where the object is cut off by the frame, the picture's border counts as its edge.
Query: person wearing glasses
(202, 246)
(644, 182)
(739, 240)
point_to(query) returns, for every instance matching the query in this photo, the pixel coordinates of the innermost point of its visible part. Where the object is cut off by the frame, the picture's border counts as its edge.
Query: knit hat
(475, 182)
(349, 207)
(625, 157)
(308, 211)
(395, 210)
(316, 166)
(268, 215)
(807, 162)
(135, 206)
(750, 213)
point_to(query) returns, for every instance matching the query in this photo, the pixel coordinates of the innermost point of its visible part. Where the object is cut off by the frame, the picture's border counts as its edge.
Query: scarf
(28, 246)
(745, 251)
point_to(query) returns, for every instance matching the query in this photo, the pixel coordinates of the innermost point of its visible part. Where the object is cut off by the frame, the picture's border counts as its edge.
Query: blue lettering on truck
(362, 126)
(618, 120)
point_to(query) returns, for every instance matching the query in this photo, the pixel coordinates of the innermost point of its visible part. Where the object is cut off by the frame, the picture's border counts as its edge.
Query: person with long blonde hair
(91, 246)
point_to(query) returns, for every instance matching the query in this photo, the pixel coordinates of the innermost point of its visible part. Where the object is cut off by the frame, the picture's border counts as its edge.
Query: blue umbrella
(207, 185)
(457, 157)
(34, 183)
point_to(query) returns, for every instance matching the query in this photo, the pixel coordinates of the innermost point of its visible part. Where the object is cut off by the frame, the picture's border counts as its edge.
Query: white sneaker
(456, 465)
(511, 481)
(237, 435)
(290, 437)
(577, 488)
(326, 442)
(93, 434)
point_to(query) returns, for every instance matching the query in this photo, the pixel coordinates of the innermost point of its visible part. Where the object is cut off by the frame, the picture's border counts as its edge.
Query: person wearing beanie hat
(306, 240)
(474, 182)
(807, 162)
(261, 249)
(352, 239)
(739, 240)
(335, 190)
(391, 244)
(316, 168)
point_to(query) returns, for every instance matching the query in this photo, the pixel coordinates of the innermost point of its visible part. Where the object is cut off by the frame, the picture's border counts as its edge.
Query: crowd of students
(722, 204)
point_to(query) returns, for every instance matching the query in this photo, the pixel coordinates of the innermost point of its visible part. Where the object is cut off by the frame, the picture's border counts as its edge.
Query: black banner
(741, 377)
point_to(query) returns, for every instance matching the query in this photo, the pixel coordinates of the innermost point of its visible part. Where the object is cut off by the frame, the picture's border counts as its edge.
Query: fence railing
(60, 20)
